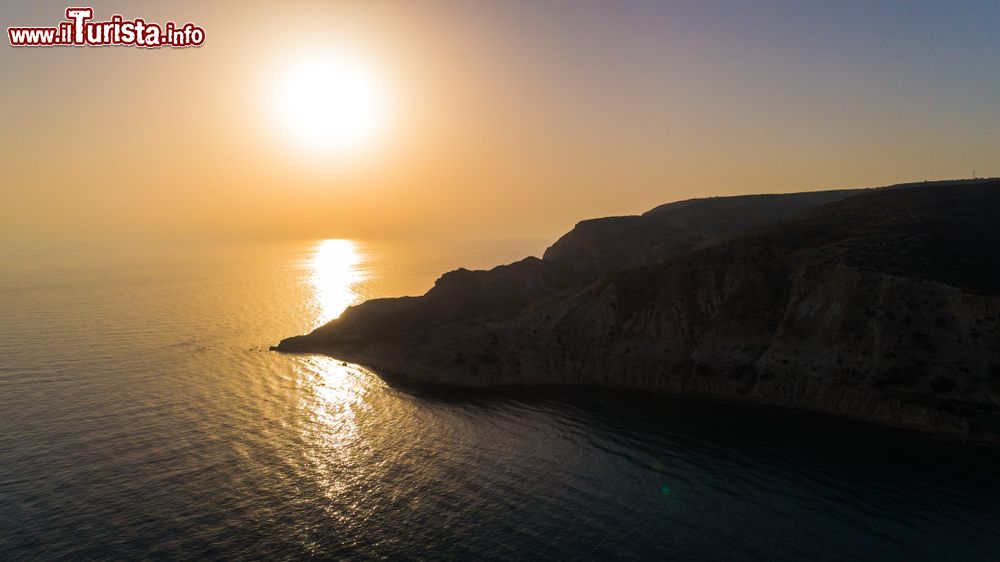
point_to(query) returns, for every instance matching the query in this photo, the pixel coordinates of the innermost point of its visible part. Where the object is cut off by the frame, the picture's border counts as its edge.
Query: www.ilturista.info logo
(79, 31)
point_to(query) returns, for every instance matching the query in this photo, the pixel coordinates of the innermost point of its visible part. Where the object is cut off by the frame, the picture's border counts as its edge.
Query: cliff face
(883, 306)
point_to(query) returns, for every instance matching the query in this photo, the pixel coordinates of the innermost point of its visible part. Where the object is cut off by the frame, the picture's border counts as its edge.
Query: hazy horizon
(508, 119)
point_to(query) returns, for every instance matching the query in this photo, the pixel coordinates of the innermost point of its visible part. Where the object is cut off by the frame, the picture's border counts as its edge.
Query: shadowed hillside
(882, 305)
(592, 248)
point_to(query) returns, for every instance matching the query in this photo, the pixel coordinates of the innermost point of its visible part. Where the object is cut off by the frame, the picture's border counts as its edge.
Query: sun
(332, 103)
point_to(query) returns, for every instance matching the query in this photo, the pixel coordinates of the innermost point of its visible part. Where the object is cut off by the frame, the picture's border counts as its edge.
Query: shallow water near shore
(141, 416)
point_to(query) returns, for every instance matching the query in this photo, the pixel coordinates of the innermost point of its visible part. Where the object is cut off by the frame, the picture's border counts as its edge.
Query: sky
(502, 119)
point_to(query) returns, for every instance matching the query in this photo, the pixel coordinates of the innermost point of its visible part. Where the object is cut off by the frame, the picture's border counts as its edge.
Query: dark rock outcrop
(881, 305)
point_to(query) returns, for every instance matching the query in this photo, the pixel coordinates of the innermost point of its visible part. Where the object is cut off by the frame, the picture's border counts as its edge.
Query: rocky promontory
(879, 304)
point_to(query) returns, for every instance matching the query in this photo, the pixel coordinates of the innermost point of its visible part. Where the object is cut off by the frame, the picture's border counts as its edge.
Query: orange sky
(507, 118)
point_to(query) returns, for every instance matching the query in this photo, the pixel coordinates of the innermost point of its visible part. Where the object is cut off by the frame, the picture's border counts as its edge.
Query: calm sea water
(142, 417)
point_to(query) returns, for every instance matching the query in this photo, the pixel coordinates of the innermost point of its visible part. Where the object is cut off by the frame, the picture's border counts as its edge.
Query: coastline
(409, 383)
(877, 306)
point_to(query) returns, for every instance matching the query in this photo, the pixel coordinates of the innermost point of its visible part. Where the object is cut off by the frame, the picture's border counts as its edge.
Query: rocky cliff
(881, 305)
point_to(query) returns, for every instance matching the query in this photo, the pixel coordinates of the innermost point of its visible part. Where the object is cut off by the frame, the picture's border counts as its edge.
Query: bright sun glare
(332, 102)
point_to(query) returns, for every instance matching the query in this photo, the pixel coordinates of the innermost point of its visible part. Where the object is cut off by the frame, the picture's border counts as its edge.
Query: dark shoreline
(519, 390)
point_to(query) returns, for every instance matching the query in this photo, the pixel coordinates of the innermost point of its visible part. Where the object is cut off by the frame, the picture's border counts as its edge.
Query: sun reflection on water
(335, 405)
(334, 397)
(335, 272)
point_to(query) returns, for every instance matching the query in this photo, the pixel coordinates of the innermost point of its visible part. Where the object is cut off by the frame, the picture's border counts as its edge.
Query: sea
(142, 417)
